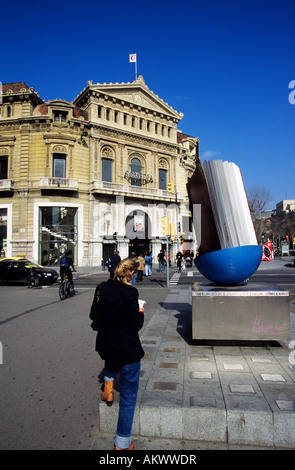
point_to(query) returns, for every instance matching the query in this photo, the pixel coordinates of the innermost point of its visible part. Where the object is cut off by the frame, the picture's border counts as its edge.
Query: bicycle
(65, 288)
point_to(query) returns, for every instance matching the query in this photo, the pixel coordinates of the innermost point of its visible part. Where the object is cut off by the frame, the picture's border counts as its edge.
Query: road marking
(174, 279)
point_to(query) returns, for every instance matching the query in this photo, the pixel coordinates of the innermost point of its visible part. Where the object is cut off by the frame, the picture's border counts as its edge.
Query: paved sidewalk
(195, 396)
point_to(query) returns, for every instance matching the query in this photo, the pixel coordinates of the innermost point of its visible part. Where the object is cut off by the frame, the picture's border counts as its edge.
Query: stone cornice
(59, 137)
(130, 138)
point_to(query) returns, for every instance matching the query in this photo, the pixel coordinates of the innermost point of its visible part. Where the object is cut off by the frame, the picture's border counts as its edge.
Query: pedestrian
(148, 263)
(114, 260)
(161, 259)
(117, 318)
(179, 261)
(141, 267)
(133, 256)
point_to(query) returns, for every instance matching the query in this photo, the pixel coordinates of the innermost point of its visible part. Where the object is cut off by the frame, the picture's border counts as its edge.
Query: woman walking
(117, 318)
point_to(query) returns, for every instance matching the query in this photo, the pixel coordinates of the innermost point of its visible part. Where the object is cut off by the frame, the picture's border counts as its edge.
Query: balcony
(6, 185)
(122, 189)
(64, 184)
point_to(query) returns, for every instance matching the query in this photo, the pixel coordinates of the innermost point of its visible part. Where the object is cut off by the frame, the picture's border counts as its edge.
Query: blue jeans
(161, 266)
(129, 382)
(148, 270)
(133, 282)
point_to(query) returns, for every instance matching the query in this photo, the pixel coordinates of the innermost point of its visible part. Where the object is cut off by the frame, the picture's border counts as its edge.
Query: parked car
(22, 270)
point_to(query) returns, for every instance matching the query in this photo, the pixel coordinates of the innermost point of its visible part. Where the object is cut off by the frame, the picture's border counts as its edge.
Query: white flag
(132, 57)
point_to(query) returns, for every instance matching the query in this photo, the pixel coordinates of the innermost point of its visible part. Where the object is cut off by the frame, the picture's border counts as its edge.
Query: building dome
(40, 110)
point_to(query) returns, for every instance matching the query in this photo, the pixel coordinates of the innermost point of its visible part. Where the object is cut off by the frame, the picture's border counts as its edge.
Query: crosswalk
(174, 279)
(176, 276)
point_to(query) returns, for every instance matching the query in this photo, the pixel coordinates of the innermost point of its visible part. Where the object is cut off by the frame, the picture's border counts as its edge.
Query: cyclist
(66, 263)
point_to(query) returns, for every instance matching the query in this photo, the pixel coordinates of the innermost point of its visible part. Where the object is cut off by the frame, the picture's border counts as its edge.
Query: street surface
(50, 371)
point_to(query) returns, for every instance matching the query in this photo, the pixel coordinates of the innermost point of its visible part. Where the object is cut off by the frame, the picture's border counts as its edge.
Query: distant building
(91, 175)
(283, 223)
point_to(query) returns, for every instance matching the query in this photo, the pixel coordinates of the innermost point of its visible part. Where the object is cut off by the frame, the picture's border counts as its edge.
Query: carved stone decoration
(59, 149)
(107, 152)
(163, 164)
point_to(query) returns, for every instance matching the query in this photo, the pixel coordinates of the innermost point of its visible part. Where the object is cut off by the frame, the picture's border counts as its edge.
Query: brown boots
(131, 447)
(108, 393)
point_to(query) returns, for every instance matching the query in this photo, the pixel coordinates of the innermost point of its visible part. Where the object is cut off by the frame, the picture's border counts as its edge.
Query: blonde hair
(124, 269)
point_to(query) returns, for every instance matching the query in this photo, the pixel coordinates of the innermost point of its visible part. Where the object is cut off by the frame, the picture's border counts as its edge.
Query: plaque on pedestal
(248, 312)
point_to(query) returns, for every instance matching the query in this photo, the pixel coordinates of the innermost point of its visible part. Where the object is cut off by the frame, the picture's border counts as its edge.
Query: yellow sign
(164, 229)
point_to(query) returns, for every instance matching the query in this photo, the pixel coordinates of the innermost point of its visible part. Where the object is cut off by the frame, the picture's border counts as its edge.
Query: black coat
(115, 260)
(117, 320)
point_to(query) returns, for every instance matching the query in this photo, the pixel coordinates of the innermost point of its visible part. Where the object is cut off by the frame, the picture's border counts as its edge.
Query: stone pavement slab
(228, 395)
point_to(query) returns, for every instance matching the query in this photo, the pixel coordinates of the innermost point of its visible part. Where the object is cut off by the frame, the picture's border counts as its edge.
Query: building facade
(283, 224)
(91, 175)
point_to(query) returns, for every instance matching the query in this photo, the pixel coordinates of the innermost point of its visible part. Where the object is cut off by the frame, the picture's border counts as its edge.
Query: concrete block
(161, 422)
(252, 312)
(284, 426)
(204, 424)
(250, 428)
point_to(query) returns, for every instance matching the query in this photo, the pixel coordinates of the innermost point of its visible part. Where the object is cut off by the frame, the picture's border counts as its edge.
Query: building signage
(144, 178)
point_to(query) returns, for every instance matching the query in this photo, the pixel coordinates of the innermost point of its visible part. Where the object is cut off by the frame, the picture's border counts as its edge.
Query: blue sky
(225, 64)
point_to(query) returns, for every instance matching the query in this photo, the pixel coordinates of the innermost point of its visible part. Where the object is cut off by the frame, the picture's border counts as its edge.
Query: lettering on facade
(142, 177)
(259, 327)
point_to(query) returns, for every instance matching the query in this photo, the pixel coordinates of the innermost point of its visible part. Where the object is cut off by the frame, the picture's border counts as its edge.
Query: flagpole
(133, 58)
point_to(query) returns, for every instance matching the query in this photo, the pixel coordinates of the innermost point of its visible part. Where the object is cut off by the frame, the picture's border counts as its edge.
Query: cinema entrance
(138, 229)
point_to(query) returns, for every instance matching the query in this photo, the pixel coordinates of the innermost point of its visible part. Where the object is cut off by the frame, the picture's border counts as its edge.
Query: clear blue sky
(226, 64)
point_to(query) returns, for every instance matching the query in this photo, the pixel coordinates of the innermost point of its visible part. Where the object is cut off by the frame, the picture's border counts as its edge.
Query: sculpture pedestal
(252, 312)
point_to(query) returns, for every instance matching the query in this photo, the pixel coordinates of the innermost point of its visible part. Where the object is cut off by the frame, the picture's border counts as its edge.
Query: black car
(21, 270)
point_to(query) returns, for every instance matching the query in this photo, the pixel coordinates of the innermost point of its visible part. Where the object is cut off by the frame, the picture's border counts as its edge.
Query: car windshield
(26, 262)
(29, 264)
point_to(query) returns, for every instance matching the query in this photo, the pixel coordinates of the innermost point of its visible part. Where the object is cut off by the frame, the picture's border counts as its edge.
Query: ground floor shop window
(58, 233)
(3, 232)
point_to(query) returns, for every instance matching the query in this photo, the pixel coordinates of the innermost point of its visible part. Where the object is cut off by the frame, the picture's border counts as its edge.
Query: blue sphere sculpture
(230, 266)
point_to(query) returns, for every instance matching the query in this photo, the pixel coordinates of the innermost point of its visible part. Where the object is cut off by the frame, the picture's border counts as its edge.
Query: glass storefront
(3, 232)
(58, 233)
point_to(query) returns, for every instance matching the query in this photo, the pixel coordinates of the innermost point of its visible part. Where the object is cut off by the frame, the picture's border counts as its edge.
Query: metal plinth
(251, 312)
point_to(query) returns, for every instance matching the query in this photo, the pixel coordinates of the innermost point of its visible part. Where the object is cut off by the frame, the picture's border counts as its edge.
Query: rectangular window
(59, 166)
(107, 169)
(60, 116)
(3, 167)
(162, 179)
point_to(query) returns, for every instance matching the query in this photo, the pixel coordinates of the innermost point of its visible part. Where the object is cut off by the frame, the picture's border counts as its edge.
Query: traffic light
(172, 230)
(171, 187)
(181, 238)
(164, 229)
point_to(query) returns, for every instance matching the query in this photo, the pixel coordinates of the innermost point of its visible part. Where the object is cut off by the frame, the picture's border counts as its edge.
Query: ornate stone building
(91, 175)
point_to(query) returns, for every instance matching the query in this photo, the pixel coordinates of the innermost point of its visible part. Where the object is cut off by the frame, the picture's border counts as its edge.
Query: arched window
(107, 164)
(136, 171)
(162, 179)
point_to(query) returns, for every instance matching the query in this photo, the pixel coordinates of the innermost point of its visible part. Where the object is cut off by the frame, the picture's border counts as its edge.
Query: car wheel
(36, 282)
